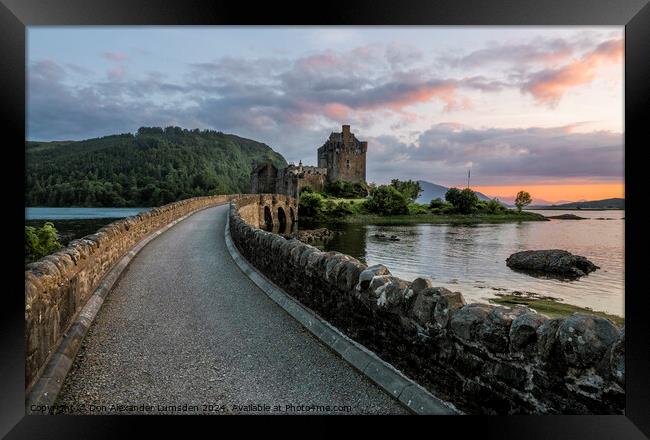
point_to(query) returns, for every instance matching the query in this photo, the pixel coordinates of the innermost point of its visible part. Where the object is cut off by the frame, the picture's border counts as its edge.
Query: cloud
(544, 68)
(81, 70)
(293, 103)
(116, 72)
(498, 156)
(47, 70)
(330, 84)
(549, 85)
(115, 56)
(545, 51)
(58, 110)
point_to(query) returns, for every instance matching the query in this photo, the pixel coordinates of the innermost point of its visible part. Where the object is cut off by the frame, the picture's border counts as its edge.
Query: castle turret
(346, 134)
(344, 156)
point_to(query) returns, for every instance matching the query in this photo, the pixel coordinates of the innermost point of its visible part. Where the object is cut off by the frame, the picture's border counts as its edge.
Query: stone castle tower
(344, 157)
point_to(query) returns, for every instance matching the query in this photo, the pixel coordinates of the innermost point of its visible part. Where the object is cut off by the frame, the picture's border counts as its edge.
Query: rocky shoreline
(313, 235)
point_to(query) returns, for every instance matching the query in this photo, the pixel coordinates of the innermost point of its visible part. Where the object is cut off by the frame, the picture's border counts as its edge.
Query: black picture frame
(15, 15)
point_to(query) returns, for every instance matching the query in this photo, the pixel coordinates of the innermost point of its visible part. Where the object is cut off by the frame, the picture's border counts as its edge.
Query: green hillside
(153, 167)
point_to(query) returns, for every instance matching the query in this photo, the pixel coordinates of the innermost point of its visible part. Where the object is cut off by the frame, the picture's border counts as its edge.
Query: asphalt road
(185, 331)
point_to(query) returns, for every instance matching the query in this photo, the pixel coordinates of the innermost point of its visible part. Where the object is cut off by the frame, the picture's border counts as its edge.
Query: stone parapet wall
(249, 209)
(59, 285)
(482, 358)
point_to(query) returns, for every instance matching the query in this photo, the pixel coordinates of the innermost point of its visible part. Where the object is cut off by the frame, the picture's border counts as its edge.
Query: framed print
(431, 208)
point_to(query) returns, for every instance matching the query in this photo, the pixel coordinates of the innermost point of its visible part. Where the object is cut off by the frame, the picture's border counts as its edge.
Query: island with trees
(395, 203)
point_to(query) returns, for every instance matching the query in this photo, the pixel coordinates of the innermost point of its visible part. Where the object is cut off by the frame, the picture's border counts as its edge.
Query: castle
(341, 157)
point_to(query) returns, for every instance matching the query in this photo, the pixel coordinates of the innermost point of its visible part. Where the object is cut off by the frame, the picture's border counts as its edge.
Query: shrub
(40, 242)
(448, 209)
(343, 189)
(329, 205)
(436, 203)
(416, 208)
(493, 206)
(386, 200)
(411, 189)
(310, 204)
(341, 209)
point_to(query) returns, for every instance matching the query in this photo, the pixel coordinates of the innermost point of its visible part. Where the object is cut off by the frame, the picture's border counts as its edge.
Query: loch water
(57, 213)
(472, 258)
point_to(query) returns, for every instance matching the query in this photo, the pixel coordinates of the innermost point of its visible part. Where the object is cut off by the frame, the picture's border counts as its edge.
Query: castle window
(347, 163)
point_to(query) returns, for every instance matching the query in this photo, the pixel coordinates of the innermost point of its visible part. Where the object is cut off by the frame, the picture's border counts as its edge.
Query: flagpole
(468, 175)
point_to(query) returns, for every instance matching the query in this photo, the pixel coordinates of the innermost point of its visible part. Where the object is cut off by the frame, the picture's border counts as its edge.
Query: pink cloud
(445, 91)
(116, 73)
(337, 111)
(115, 56)
(321, 61)
(548, 86)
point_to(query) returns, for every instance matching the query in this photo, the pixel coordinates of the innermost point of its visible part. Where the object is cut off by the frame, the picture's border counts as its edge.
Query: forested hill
(151, 168)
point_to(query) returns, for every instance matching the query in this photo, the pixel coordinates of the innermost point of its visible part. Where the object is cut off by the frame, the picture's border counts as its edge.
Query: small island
(395, 203)
(566, 217)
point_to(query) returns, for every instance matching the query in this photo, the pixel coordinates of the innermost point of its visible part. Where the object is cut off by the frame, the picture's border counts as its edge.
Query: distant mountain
(432, 191)
(615, 203)
(538, 202)
(152, 167)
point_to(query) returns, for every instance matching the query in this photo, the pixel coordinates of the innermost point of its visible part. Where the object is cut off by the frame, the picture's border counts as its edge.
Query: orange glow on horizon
(559, 192)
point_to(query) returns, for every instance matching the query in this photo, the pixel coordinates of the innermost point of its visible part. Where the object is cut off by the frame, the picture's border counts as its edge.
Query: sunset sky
(532, 108)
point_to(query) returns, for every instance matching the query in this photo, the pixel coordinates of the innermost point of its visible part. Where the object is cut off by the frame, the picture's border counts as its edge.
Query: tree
(436, 203)
(153, 167)
(523, 198)
(452, 196)
(409, 188)
(310, 204)
(464, 201)
(467, 201)
(386, 200)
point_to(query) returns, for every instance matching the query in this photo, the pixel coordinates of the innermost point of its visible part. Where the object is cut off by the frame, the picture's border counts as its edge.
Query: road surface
(184, 331)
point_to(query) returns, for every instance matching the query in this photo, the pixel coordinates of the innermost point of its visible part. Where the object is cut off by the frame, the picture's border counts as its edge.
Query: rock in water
(567, 217)
(552, 262)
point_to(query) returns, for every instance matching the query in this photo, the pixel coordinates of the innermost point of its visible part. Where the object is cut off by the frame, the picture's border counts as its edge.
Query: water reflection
(471, 258)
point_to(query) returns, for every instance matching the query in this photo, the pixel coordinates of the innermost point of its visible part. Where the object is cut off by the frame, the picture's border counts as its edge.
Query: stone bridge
(273, 212)
(152, 310)
(198, 306)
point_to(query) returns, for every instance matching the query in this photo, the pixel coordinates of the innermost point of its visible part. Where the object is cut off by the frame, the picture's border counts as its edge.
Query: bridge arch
(276, 212)
(268, 218)
(282, 220)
